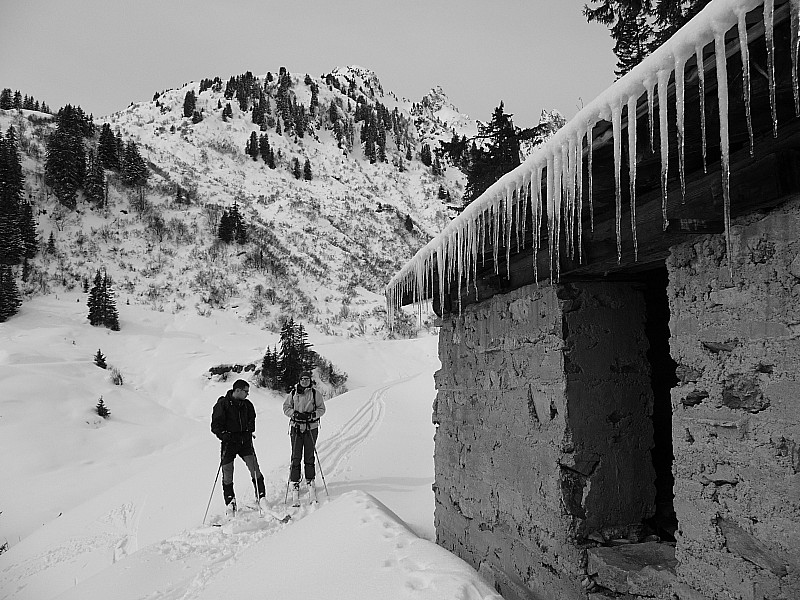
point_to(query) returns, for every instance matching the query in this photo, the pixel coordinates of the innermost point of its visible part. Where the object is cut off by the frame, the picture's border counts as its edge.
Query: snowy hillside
(321, 249)
(95, 508)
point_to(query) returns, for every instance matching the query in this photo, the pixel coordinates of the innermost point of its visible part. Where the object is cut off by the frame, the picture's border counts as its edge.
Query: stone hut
(618, 408)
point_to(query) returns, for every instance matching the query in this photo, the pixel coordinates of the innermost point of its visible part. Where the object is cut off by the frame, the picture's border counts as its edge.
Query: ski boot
(230, 509)
(312, 491)
(295, 494)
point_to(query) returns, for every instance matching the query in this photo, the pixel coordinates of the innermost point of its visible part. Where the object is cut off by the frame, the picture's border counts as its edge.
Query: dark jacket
(233, 416)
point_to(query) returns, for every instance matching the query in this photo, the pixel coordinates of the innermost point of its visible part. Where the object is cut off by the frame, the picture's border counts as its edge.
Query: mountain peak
(355, 72)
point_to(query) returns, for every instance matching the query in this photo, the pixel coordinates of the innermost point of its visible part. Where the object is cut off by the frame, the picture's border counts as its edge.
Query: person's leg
(309, 444)
(297, 454)
(255, 474)
(228, 454)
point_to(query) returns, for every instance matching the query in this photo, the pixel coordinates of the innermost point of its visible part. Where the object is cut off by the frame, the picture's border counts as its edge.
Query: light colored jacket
(304, 400)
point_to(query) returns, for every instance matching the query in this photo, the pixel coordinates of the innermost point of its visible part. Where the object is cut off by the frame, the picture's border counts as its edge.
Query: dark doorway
(655, 282)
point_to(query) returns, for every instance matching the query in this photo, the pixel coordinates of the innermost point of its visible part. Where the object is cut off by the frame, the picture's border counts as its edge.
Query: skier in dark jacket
(233, 421)
(304, 407)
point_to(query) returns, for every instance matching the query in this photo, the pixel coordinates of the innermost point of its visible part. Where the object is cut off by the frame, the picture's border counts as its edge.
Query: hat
(305, 374)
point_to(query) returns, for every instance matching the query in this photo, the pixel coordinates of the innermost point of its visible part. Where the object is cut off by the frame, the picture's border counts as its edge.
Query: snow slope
(97, 509)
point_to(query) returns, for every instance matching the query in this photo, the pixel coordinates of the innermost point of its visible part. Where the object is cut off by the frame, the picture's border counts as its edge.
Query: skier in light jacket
(304, 407)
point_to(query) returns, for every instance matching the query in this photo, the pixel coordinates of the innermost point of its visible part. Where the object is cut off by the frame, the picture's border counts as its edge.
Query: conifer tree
(227, 112)
(189, 103)
(134, 169)
(65, 166)
(96, 300)
(6, 99)
(225, 228)
(27, 227)
(263, 147)
(252, 146)
(295, 353)
(94, 187)
(101, 409)
(501, 154)
(111, 313)
(100, 360)
(307, 170)
(102, 304)
(107, 148)
(10, 300)
(51, 244)
(11, 185)
(425, 155)
(296, 171)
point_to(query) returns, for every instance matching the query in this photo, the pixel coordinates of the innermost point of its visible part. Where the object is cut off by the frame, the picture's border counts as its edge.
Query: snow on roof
(558, 164)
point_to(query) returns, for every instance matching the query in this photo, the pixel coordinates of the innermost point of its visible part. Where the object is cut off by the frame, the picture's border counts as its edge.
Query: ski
(266, 512)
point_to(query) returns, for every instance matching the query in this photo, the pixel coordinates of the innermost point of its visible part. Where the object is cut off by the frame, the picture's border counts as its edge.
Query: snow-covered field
(97, 509)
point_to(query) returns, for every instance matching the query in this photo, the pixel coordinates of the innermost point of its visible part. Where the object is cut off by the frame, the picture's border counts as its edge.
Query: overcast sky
(105, 54)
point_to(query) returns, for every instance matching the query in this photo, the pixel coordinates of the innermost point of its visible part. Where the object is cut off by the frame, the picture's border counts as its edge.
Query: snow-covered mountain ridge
(321, 249)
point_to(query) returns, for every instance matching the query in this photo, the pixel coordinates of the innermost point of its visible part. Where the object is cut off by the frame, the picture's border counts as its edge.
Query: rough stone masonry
(544, 425)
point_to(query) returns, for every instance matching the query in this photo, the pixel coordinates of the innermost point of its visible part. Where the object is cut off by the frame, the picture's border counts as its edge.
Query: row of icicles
(558, 164)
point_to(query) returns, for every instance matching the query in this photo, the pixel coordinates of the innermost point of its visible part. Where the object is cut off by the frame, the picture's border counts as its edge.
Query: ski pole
(212, 491)
(319, 462)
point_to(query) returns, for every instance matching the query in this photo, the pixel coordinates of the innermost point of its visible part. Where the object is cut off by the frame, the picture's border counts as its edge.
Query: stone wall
(543, 432)
(736, 410)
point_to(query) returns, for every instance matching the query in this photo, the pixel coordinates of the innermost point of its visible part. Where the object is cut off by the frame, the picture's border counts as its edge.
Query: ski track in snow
(343, 443)
(219, 546)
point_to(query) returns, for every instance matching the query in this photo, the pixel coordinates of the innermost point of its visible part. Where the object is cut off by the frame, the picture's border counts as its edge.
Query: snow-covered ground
(96, 509)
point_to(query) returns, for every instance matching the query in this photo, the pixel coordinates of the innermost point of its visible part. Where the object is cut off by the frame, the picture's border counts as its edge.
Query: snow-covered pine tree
(107, 148)
(11, 185)
(95, 300)
(94, 186)
(10, 300)
(263, 147)
(189, 103)
(111, 314)
(134, 169)
(100, 360)
(101, 409)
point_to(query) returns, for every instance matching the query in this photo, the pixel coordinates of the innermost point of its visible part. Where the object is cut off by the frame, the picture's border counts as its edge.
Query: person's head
(240, 389)
(305, 379)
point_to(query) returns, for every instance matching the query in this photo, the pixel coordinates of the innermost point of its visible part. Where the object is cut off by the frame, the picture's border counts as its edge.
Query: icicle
(680, 67)
(722, 95)
(557, 211)
(566, 202)
(509, 197)
(579, 190)
(536, 217)
(524, 199)
(589, 140)
(701, 76)
(745, 52)
(650, 85)
(795, 47)
(616, 123)
(769, 13)
(663, 136)
(517, 211)
(632, 169)
(551, 212)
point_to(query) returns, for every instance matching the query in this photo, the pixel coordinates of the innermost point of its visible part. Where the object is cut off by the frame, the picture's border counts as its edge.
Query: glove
(225, 437)
(303, 417)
